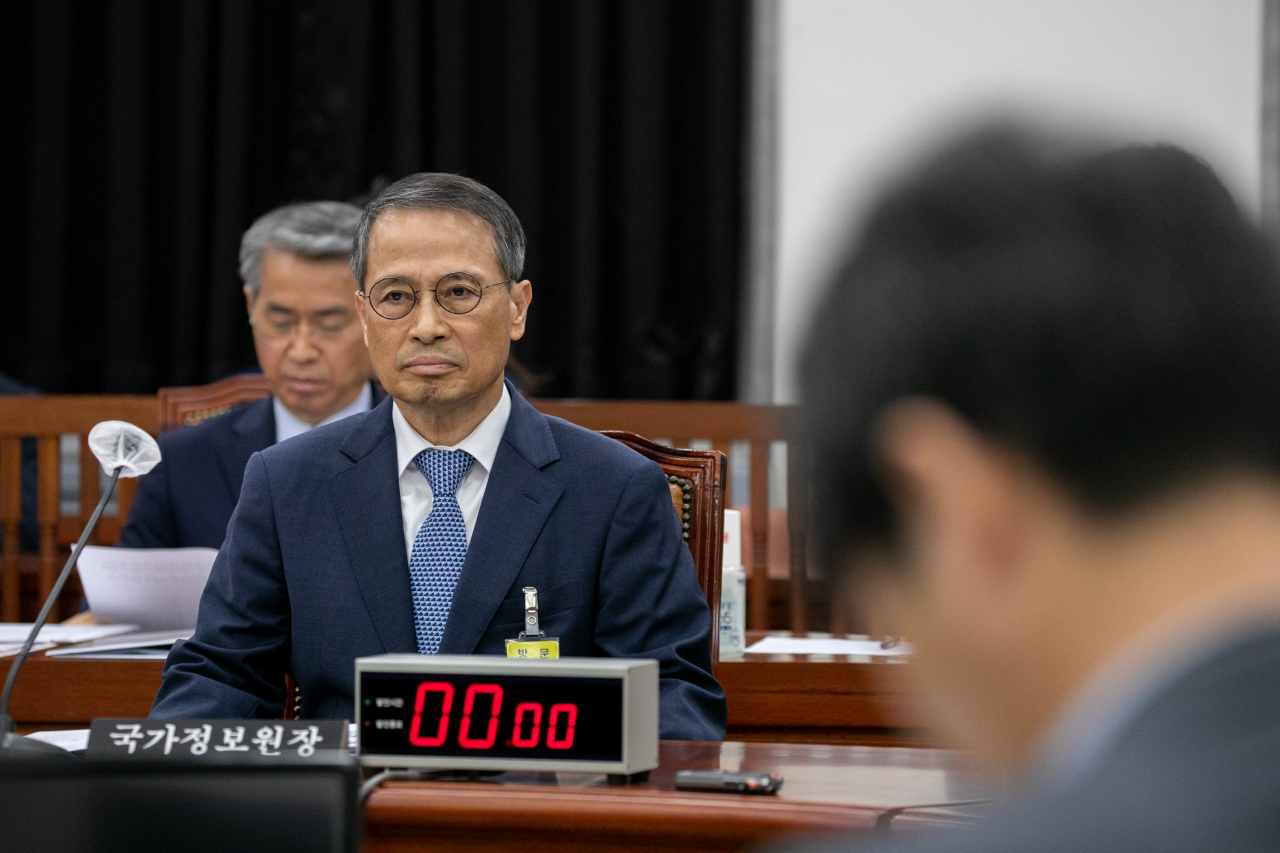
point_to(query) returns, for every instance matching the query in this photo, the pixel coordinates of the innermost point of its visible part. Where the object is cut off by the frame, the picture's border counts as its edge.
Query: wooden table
(798, 698)
(55, 693)
(827, 789)
(821, 699)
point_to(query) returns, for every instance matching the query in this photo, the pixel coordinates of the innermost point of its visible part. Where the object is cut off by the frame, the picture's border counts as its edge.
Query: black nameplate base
(216, 740)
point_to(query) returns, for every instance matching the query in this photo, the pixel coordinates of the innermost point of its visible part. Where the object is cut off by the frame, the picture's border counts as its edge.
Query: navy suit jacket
(314, 574)
(187, 499)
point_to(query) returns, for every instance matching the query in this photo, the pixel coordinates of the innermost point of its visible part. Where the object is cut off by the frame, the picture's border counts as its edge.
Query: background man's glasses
(457, 293)
(281, 332)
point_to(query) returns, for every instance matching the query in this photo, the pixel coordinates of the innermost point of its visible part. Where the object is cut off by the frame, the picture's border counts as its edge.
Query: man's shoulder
(1184, 777)
(581, 446)
(199, 436)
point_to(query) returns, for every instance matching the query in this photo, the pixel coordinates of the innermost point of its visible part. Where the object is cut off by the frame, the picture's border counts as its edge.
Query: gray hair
(445, 191)
(310, 229)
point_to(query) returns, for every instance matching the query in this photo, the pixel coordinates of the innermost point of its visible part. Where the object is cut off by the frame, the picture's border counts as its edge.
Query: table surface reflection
(827, 788)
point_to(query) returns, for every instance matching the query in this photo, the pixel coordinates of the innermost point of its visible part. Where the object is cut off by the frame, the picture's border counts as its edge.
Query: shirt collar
(482, 443)
(289, 425)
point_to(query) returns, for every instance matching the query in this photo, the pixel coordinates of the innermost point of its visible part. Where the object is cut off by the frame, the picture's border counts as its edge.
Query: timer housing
(479, 712)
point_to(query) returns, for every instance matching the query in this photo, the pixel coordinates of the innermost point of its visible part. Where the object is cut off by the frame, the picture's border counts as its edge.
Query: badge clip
(532, 643)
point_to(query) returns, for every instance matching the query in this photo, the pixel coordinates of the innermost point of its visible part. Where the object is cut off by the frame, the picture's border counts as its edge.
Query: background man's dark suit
(188, 498)
(1198, 769)
(314, 572)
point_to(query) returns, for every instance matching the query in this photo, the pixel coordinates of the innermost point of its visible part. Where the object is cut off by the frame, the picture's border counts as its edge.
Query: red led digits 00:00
(563, 713)
(485, 712)
(423, 689)
(535, 710)
(487, 741)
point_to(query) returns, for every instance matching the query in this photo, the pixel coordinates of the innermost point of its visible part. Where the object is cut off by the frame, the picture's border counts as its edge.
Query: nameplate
(215, 740)
(534, 649)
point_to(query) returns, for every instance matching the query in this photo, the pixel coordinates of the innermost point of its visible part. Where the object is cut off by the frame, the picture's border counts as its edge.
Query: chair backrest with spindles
(697, 480)
(193, 404)
(723, 424)
(46, 419)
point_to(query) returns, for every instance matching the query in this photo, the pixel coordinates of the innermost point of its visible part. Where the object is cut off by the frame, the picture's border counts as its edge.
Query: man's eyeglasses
(457, 293)
(280, 331)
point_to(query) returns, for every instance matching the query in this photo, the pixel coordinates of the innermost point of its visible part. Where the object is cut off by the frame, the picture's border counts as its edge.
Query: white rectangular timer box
(482, 712)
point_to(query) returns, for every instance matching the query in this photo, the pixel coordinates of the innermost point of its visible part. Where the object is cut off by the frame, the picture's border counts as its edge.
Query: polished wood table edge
(869, 694)
(937, 817)
(49, 690)
(748, 660)
(839, 736)
(417, 805)
(556, 805)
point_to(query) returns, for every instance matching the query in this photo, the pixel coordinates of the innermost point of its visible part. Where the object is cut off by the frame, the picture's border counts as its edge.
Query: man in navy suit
(414, 527)
(297, 287)
(1043, 385)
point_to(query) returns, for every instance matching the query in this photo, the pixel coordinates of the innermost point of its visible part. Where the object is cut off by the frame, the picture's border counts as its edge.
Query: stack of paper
(148, 645)
(14, 634)
(72, 740)
(8, 650)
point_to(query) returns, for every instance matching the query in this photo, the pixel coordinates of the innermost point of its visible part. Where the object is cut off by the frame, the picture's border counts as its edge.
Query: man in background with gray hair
(298, 289)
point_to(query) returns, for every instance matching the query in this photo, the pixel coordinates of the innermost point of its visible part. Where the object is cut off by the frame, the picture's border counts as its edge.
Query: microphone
(123, 450)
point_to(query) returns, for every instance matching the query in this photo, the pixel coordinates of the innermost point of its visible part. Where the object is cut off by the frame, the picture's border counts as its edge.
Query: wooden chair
(697, 481)
(46, 418)
(190, 405)
(722, 424)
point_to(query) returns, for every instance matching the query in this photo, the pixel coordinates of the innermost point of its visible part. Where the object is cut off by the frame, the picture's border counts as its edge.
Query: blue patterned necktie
(440, 546)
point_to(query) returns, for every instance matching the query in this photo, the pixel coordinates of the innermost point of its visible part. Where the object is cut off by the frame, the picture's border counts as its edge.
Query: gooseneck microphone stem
(6, 722)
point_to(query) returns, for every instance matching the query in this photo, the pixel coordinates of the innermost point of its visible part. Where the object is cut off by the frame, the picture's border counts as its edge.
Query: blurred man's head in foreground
(1043, 394)
(300, 294)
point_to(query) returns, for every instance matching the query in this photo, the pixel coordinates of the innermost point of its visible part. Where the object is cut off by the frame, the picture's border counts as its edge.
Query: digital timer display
(485, 712)
(507, 716)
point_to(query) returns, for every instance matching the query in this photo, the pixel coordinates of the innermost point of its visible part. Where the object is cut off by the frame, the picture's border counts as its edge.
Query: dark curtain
(142, 138)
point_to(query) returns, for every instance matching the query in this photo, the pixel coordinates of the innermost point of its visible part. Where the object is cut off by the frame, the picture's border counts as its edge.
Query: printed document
(153, 588)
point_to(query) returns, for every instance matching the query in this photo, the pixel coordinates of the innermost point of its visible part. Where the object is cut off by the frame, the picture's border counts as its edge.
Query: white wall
(863, 82)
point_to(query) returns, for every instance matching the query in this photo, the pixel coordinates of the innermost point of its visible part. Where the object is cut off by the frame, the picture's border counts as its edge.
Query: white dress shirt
(288, 425)
(415, 491)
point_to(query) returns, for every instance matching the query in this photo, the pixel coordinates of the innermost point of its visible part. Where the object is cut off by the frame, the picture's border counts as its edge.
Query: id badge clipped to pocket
(532, 643)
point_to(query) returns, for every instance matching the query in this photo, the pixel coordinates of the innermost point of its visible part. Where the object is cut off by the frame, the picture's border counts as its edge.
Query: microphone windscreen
(118, 444)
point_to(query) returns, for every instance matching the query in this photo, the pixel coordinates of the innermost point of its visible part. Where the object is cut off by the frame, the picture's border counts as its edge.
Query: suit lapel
(367, 499)
(517, 501)
(253, 428)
